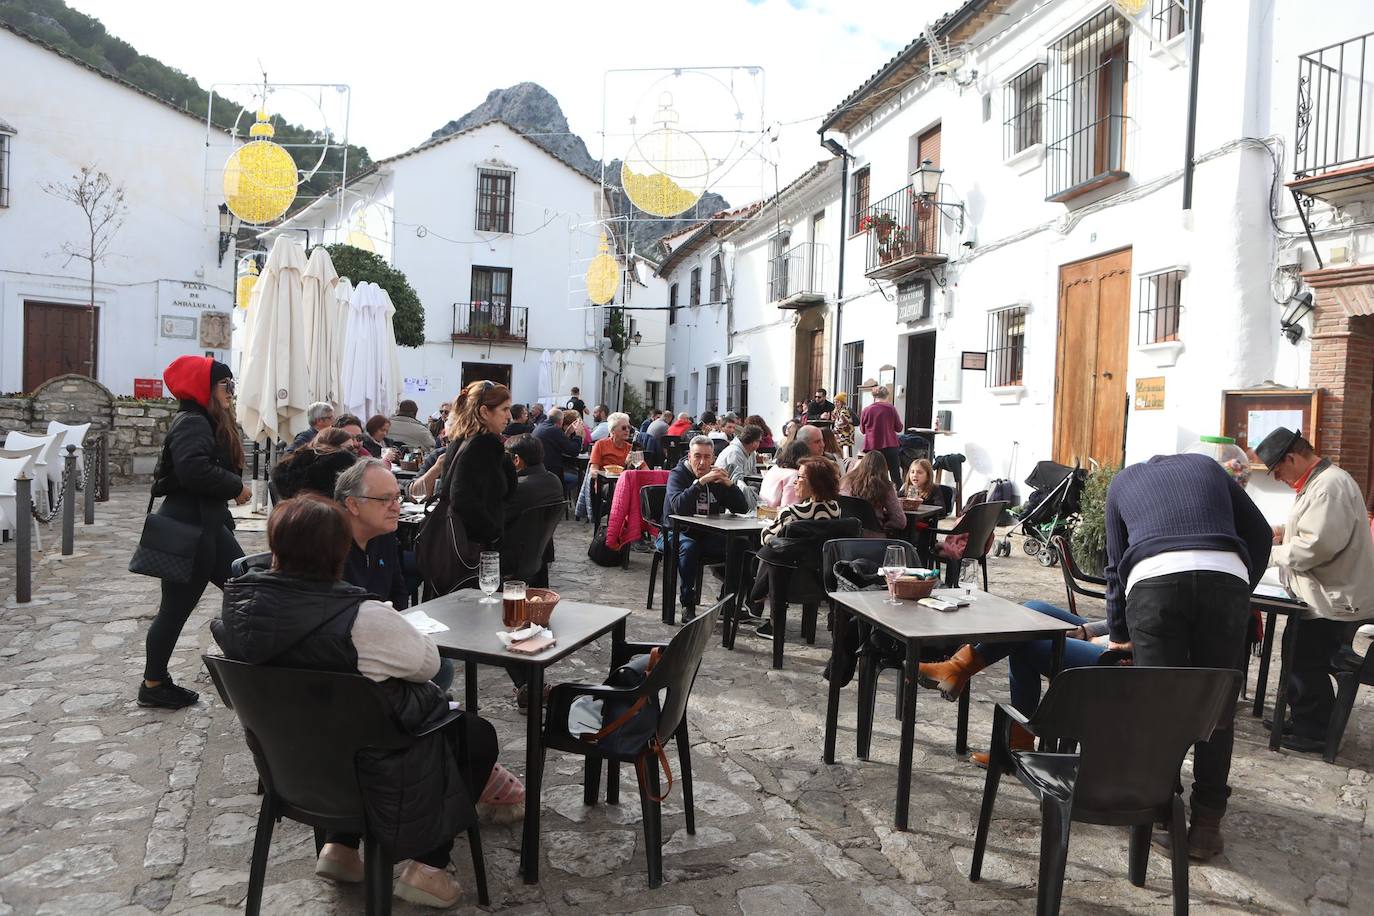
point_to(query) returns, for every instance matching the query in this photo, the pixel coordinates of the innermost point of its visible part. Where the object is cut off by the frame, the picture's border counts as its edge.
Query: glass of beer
(513, 604)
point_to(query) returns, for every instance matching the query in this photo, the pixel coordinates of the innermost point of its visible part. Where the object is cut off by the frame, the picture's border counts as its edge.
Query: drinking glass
(489, 575)
(513, 604)
(894, 564)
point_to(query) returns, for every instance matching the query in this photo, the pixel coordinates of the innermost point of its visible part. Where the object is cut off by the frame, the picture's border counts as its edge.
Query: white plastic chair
(42, 467)
(10, 469)
(71, 435)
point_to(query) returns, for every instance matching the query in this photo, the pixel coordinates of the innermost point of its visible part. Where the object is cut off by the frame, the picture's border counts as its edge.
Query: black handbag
(167, 548)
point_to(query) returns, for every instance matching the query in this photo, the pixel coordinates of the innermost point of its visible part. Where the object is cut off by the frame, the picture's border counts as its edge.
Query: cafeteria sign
(1149, 393)
(913, 300)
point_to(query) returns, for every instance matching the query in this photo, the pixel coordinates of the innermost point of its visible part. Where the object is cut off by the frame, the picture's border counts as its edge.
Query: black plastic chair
(305, 729)
(1351, 670)
(978, 523)
(259, 561)
(675, 673)
(862, 509)
(651, 513)
(525, 543)
(1075, 580)
(1133, 727)
(718, 446)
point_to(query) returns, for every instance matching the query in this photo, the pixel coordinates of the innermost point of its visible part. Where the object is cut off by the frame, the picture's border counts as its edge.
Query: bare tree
(102, 203)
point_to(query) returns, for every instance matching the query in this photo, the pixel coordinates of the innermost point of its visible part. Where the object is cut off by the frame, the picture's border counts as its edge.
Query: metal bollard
(68, 500)
(23, 538)
(89, 490)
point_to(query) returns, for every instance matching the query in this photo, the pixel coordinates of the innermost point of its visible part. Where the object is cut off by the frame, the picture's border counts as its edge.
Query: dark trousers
(693, 550)
(179, 599)
(1310, 695)
(893, 457)
(1195, 620)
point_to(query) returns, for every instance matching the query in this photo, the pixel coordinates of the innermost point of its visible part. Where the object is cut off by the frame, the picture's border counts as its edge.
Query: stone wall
(135, 428)
(1343, 365)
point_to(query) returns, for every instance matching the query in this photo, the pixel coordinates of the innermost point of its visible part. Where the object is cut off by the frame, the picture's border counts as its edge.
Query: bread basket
(911, 504)
(539, 605)
(913, 588)
(768, 512)
(612, 470)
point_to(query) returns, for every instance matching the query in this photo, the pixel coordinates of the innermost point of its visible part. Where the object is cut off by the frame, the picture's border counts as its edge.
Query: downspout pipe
(1190, 140)
(834, 147)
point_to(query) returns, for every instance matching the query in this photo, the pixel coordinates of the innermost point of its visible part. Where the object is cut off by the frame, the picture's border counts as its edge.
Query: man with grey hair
(560, 449)
(695, 487)
(320, 415)
(658, 428)
(813, 439)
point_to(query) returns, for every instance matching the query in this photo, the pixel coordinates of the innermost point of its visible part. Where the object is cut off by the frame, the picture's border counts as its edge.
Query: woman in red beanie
(199, 472)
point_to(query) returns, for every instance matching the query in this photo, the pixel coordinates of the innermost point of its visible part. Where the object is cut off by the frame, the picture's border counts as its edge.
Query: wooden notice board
(1248, 415)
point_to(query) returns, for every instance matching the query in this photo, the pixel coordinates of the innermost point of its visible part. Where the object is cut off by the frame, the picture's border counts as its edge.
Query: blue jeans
(692, 550)
(1030, 661)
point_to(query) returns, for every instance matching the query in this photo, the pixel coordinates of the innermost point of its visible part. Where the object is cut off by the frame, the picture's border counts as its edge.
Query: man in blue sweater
(1185, 547)
(691, 484)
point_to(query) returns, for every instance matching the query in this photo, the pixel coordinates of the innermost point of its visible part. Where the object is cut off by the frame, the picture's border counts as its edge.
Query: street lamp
(637, 337)
(1298, 308)
(226, 230)
(925, 184)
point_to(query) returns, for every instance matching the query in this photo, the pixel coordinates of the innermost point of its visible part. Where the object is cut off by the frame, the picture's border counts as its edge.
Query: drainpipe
(835, 148)
(1191, 139)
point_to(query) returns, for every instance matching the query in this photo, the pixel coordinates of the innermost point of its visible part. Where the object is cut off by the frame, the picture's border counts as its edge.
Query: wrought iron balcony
(494, 322)
(904, 233)
(1330, 132)
(796, 277)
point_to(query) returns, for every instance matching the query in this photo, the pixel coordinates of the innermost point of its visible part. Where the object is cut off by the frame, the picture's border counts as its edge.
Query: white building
(645, 297)
(495, 234)
(162, 290)
(1057, 253)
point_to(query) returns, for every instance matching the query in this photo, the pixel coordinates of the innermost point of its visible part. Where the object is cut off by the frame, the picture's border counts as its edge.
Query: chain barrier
(46, 517)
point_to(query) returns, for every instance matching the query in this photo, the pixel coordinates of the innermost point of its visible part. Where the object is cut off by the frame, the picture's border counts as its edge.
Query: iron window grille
(4, 170)
(672, 304)
(694, 290)
(493, 201)
(852, 369)
(713, 388)
(737, 388)
(1331, 129)
(777, 262)
(1006, 347)
(1024, 102)
(1160, 304)
(669, 385)
(717, 278)
(1086, 83)
(1167, 19)
(858, 205)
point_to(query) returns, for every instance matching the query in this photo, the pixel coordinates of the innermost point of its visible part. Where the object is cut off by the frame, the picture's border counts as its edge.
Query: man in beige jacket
(1325, 557)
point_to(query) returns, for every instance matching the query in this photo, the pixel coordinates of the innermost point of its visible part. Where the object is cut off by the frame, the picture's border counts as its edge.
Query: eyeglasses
(229, 386)
(394, 498)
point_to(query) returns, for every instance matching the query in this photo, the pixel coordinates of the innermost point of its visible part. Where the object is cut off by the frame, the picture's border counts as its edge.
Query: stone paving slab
(108, 808)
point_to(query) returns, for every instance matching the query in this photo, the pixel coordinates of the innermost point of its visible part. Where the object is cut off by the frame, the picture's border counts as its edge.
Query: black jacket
(415, 798)
(309, 470)
(197, 478)
(559, 449)
(683, 489)
(483, 478)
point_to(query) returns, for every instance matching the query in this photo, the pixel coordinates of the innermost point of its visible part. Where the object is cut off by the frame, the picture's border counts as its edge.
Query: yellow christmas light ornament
(603, 275)
(667, 170)
(358, 237)
(247, 280)
(259, 177)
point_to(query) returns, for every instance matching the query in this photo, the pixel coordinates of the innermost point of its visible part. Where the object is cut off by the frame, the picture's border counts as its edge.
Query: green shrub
(365, 266)
(1090, 535)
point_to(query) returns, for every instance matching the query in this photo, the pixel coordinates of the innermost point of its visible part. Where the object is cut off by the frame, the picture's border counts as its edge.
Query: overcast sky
(412, 66)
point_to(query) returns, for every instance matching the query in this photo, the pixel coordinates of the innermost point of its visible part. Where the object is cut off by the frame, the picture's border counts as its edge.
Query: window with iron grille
(672, 304)
(737, 388)
(1167, 19)
(651, 394)
(1024, 101)
(694, 288)
(858, 203)
(1086, 82)
(670, 384)
(493, 201)
(777, 264)
(1006, 346)
(1160, 304)
(717, 278)
(713, 388)
(852, 370)
(4, 170)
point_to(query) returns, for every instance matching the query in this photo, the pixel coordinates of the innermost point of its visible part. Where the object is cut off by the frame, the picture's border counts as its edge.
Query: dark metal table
(987, 619)
(471, 636)
(603, 486)
(1274, 600)
(746, 528)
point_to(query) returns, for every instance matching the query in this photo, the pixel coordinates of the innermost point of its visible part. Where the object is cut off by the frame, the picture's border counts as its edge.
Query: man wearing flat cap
(1325, 557)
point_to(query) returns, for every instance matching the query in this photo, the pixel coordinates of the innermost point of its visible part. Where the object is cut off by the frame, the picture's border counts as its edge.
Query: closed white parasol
(274, 390)
(317, 316)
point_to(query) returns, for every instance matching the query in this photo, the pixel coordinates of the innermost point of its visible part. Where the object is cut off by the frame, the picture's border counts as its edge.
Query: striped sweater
(805, 511)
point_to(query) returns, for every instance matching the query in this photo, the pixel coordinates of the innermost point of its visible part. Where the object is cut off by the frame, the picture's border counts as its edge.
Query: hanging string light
(667, 170)
(260, 176)
(248, 278)
(603, 275)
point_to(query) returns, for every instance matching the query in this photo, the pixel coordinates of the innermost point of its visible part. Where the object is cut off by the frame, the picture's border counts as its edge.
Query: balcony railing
(490, 321)
(1335, 111)
(904, 233)
(797, 276)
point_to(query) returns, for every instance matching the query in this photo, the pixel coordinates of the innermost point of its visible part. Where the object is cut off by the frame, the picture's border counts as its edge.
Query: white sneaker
(1367, 629)
(341, 863)
(428, 886)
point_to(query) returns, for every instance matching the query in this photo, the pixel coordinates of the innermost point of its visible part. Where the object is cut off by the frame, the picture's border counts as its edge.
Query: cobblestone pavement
(108, 808)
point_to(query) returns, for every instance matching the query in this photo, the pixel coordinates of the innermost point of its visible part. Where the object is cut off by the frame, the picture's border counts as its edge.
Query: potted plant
(1089, 542)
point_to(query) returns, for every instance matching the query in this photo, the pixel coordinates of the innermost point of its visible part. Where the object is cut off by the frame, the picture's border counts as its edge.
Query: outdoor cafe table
(1274, 600)
(746, 528)
(471, 636)
(603, 486)
(987, 618)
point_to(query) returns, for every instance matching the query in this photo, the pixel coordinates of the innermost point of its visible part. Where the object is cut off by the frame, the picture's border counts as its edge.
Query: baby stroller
(1049, 510)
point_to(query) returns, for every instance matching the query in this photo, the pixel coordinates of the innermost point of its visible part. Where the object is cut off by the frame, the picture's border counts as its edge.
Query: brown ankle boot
(1021, 740)
(951, 677)
(1204, 836)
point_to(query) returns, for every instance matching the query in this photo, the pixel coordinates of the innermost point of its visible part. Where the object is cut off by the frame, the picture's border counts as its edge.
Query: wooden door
(1090, 365)
(57, 341)
(920, 380)
(927, 217)
(816, 368)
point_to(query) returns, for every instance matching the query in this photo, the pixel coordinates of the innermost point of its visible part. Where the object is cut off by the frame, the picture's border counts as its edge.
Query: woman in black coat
(314, 467)
(199, 472)
(482, 474)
